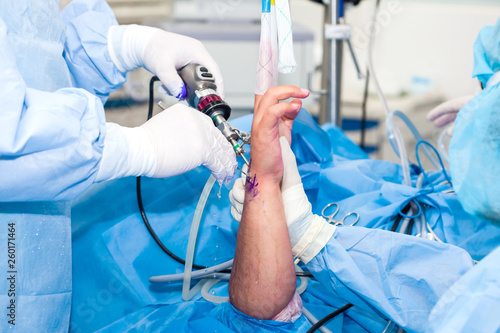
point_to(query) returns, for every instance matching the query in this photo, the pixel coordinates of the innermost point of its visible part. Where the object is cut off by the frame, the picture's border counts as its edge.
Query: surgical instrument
(202, 95)
(330, 218)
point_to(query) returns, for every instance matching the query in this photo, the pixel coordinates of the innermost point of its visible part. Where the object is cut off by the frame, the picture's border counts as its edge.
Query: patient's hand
(263, 276)
(271, 121)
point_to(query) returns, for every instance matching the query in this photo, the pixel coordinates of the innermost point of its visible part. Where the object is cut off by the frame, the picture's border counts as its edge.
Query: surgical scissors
(330, 218)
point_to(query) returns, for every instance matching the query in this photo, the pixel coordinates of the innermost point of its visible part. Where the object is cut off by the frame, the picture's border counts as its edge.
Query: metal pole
(332, 70)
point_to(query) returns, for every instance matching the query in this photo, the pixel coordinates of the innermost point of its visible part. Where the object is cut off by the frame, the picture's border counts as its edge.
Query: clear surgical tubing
(416, 134)
(187, 294)
(393, 132)
(442, 147)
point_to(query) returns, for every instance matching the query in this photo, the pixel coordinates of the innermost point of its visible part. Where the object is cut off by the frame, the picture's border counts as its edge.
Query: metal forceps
(330, 218)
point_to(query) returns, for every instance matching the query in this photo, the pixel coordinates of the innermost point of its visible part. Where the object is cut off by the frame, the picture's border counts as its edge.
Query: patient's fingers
(288, 111)
(286, 124)
(276, 94)
(256, 101)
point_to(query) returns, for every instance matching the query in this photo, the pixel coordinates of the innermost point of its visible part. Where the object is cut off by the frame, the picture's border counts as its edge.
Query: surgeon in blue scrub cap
(56, 71)
(475, 145)
(474, 150)
(472, 304)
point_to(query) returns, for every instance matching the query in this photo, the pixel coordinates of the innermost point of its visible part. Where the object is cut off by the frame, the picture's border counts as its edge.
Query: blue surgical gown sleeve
(86, 51)
(397, 276)
(472, 304)
(50, 142)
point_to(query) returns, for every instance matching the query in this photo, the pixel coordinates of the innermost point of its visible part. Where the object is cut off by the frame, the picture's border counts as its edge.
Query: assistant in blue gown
(51, 142)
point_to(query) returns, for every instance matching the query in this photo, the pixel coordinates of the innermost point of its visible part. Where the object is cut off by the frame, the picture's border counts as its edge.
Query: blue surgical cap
(487, 53)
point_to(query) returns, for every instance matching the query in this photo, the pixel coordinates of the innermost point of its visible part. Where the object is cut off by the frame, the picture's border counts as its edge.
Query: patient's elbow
(261, 304)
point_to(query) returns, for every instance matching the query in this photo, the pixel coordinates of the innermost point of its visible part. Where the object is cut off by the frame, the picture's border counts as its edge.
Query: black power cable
(143, 212)
(410, 227)
(329, 317)
(399, 217)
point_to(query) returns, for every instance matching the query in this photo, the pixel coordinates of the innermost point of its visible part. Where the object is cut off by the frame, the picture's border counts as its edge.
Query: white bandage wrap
(314, 239)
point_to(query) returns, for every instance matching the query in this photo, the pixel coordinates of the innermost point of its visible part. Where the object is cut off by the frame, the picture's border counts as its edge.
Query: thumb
(291, 176)
(172, 83)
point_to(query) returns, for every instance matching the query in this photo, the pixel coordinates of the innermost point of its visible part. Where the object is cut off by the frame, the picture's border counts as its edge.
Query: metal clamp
(338, 31)
(244, 136)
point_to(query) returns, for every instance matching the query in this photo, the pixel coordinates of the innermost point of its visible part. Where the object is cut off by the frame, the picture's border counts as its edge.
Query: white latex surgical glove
(308, 232)
(446, 112)
(160, 52)
(173, 142)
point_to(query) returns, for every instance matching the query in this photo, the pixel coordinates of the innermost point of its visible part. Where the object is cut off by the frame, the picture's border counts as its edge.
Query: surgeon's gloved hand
(446, 112)
(173, 142)
(160, 52)
(308, 232)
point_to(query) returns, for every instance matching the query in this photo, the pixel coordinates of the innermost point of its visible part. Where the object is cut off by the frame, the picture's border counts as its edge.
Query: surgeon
(473, 302)
(392, 275)
(56, 72)
(474, 149)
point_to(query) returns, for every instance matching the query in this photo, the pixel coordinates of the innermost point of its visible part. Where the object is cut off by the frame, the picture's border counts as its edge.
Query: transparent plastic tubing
(442, 147)
(394, 136)
(418, 137)
(187, 294)
(393, 132)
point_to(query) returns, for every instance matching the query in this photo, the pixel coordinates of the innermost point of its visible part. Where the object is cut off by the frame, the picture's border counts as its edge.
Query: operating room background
(422, 55)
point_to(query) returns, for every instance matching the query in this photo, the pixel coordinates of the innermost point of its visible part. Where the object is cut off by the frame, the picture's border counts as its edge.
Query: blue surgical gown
(55, 74)
(472, 304)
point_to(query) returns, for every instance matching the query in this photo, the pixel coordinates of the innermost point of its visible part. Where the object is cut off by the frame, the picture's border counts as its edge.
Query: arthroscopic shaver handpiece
(202, 95)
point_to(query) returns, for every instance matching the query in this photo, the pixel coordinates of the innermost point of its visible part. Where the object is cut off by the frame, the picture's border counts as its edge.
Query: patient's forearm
(263, 276)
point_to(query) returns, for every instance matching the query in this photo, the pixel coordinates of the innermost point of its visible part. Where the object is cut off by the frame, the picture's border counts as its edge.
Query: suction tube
(187, 294)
